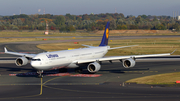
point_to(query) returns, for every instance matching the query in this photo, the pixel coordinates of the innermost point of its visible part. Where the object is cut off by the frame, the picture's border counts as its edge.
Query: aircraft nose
(34, 64)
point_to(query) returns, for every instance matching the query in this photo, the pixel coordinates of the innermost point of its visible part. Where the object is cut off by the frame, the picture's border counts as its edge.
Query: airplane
(90, 56)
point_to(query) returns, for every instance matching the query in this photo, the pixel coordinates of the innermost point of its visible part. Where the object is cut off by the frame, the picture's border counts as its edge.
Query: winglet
(5, 49)
(173, 51)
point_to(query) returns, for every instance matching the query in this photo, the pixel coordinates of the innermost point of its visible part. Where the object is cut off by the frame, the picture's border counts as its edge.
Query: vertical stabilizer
(104, 41)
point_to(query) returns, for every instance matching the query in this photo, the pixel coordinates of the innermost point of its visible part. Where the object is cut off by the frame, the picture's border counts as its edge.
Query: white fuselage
(64, 59)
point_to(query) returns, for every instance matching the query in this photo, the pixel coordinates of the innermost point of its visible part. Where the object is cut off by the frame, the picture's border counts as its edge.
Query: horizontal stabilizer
(87, 46)
(122, 47)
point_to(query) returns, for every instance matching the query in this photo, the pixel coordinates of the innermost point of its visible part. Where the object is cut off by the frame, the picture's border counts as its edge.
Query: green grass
(167, 78)
(38, 33)
(145, 46)
(5, 40)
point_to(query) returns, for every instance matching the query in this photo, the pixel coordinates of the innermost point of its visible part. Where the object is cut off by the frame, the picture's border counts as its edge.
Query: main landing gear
(79, 70)
(40, 73)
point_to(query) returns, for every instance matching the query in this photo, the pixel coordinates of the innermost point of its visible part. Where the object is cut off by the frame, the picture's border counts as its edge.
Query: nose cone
(35, 64)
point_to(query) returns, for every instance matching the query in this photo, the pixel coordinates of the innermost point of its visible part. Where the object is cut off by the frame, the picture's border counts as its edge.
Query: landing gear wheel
(40, 73)
(40, 76)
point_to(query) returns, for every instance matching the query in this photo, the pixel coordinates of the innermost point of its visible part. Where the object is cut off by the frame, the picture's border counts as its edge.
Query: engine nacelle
(93, 67)
(128, 63)
(21, 61)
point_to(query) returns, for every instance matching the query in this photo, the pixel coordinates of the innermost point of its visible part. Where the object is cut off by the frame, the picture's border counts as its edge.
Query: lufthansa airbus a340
(90, 57)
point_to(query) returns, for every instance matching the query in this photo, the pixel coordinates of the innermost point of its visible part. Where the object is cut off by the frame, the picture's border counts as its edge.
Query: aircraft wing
(118, 58)
(19, 54)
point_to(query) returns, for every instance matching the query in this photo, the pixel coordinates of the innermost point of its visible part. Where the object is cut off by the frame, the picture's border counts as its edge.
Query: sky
(79, 7)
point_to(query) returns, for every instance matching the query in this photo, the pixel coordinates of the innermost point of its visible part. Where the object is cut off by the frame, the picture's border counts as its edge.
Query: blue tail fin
(104, 41)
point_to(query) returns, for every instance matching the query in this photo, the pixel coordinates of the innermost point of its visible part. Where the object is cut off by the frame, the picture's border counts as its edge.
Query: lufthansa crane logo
(107, 33)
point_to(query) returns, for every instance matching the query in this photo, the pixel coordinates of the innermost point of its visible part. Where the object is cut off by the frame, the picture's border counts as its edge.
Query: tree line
(87, 22)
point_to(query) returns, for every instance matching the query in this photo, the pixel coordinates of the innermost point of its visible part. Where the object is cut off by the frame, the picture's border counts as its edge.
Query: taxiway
(108, 85)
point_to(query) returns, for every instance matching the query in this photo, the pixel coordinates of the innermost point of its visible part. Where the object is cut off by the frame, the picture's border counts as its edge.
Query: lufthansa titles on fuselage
(52, 56)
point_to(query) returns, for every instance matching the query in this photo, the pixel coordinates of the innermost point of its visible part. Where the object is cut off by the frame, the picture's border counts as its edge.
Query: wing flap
(87, 46)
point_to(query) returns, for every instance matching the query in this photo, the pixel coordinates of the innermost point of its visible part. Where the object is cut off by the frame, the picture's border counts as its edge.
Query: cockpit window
(36, 59)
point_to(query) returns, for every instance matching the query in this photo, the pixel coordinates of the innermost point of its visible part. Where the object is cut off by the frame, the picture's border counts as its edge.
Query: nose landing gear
(40, 73)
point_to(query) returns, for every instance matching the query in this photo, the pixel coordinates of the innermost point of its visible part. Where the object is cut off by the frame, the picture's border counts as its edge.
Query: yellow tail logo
(107, 33)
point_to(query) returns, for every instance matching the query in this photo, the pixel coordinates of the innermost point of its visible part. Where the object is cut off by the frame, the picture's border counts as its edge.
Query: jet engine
(128, 63)
(21, 61)
(93, 67)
